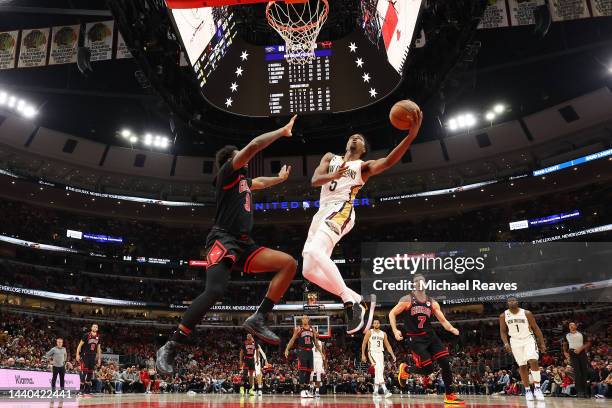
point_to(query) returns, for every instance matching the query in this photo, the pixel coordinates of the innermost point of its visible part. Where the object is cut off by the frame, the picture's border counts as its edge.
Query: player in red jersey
(248, 355)
(416, 310)
(306, 337)
(230, 246)
(88, 353)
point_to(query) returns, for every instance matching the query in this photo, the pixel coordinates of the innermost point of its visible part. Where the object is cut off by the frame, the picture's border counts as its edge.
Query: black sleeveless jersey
(417, 319)
(249, 349)
(91, 343)
(234, 206)
(305, 339)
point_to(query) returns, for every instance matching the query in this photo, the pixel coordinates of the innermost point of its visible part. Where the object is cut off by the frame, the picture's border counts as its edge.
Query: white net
(299, 24)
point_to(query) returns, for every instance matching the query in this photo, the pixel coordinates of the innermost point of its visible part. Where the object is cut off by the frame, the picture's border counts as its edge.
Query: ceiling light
(452, 124)
(3, 97)
(499, 108)
(490, 116)
(12, 101)
(126, 133)
(133, 139)
(29, 112)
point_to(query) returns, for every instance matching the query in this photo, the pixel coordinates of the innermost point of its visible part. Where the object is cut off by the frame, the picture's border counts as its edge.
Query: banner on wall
(563, 10)
(8, 47)
(64, 43)
(601, 8)
(122, 48)
(495, 15)
(33, 50)
(521, 11)
(99, 39)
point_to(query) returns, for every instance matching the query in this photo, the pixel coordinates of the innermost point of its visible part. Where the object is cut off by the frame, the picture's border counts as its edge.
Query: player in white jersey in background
(376, 341)
(340, 179)
(318, 366)
(258, 368)
(521, 326)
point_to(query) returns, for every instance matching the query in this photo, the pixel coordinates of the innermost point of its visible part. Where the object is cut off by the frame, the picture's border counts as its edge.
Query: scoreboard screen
(258, 81)
(350, 73)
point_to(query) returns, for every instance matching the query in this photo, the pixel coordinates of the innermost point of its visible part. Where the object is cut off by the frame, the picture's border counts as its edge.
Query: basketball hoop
(298, 22)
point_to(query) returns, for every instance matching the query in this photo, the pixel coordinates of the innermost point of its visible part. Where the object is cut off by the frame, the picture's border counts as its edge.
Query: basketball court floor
(283, 401)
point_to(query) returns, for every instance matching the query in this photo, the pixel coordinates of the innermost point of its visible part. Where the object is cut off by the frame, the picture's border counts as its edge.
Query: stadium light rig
(149, 140)
(467, 121)
(17, 105)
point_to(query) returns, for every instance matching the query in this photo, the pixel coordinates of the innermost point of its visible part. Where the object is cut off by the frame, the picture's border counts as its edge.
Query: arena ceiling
(511, 65)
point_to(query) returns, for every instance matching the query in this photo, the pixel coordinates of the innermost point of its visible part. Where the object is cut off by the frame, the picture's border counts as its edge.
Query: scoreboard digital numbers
(299, 89)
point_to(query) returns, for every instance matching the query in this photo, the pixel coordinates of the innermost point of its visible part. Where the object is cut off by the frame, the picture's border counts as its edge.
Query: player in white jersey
(521, 326)
(258, 366)
(340, 179)
(376, 341)
(318, 366)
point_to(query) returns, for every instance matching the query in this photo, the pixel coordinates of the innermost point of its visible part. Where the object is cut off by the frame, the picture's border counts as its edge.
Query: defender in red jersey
(88, 353)
(229, 246)
(416, 310)
(306, 337)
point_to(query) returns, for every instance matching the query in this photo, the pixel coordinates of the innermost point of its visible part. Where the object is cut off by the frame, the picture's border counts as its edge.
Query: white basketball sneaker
(537, 393)
(388, 394)
(528, 395)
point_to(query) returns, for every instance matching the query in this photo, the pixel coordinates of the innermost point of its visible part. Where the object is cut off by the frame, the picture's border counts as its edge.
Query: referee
(58, 356)
(575, 347)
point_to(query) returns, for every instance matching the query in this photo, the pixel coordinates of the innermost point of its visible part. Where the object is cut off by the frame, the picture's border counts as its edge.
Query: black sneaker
(256, 325)
(165, 357)
(355, 315)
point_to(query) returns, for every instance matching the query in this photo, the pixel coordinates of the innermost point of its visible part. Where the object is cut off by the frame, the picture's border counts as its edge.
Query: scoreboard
(257, 81)
(298, 88)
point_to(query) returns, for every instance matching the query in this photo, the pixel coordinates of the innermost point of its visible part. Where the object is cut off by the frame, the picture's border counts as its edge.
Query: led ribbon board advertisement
(551, 219)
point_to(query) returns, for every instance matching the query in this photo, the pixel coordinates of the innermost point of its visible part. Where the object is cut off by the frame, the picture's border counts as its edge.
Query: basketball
(401, 114)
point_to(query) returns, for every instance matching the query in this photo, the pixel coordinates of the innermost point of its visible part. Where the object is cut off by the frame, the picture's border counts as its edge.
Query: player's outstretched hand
(288, 128)
(286, 353)
(455, 331)
(78, 358)
(284, 172)
(398, 335)
(340, 171)
(417, 120)
(508, 348)
(542, 348)
(363, 358)
(394, 359)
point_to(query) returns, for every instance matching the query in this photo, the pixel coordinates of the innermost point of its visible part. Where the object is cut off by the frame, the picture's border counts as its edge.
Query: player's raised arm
(241, 357)
(503, 332)
(256, 145)
(296, 331)
(442, 319)
(260, 183)
(321, 174)
(389, 349)
(402, 305)
(374, 167)
(364, 344)
(536, 330)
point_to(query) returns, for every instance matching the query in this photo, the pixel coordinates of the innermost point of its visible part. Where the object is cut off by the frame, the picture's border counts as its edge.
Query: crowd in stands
(211, 365)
